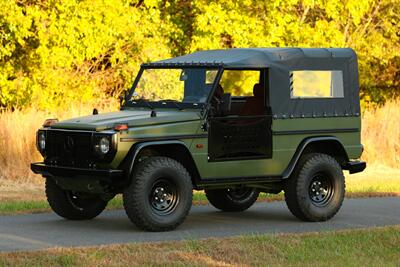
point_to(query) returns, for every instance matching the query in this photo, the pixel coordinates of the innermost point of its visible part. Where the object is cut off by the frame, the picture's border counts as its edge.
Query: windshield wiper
(175, 102)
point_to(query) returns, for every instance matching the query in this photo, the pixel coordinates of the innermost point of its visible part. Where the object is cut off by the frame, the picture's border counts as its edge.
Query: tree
(59, 51)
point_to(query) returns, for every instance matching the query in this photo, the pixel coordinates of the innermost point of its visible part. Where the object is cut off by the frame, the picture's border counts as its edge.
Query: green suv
(233, 123)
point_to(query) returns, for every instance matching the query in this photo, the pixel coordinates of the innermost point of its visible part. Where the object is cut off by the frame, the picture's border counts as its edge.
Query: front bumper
(107, 175)
(355, 166)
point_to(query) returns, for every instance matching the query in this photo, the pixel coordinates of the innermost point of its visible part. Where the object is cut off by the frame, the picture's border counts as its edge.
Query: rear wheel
(316, 190)
(232, 199)
(73, 205)
(160, 195)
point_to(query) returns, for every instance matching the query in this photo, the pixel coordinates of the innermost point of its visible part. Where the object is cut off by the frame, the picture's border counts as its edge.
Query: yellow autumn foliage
(55, 52)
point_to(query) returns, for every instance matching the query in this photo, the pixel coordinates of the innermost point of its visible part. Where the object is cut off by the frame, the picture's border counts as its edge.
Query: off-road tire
(300, 192)
(223, 199)
(139, 198)
(73, 206)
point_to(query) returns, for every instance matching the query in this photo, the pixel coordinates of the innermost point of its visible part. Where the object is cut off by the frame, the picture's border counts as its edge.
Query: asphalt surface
(39, 231)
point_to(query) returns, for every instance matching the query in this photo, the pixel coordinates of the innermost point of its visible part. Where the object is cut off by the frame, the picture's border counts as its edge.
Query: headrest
(258, 90)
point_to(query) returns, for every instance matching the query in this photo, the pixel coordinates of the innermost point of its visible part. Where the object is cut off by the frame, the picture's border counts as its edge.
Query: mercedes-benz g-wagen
(233, 123)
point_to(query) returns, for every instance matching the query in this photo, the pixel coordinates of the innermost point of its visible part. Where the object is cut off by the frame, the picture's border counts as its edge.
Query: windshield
(180, 87)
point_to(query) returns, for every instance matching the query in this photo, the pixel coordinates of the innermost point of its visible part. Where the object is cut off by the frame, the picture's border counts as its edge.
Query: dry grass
(17, 138)
(11, 191)
(367, 247)
(375, 178)
(17, 143)
(380, 136)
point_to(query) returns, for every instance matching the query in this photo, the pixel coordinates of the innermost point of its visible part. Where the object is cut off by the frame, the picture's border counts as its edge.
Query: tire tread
(293, 187)
(59, 203)
(219, 199)
(135, 211)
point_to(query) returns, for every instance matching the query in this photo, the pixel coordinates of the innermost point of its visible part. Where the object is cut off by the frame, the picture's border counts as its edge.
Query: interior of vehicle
(244, 90)
(240, 123)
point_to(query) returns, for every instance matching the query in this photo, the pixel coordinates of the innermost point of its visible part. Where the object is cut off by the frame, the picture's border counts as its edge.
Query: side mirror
(225, 105)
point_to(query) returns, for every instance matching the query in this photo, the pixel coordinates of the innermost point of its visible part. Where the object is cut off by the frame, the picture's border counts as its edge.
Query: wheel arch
(329, 145)
(174, 149)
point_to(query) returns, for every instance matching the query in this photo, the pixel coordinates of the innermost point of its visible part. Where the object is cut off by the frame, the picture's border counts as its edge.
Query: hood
(133, 118)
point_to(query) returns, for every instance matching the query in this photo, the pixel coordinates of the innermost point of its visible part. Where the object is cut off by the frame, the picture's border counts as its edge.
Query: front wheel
(232, 199)
(316, 190)
(160, 195)
(73, 205)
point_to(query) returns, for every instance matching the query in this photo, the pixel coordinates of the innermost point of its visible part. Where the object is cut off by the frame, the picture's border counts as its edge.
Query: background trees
(59, 51)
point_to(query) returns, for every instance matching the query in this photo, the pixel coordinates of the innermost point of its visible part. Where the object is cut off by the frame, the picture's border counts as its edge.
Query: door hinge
(204, 126)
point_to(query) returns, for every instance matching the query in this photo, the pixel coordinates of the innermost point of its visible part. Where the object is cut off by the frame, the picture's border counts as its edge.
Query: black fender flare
(303, 145)
(136, 148)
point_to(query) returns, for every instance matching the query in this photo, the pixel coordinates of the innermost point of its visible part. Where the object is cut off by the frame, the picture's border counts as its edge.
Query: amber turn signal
(121, 127)
(49, 122)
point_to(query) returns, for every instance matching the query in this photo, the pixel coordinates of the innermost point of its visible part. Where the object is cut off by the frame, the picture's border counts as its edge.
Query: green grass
(15, 207)
(366, 247)
(8, 207)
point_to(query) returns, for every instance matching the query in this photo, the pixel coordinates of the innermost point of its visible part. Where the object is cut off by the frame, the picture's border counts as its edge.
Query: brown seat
(255, 104)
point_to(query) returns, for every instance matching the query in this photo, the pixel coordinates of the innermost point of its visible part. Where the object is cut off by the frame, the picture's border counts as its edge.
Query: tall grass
(17, 142)
(18, 132)
(380, 136)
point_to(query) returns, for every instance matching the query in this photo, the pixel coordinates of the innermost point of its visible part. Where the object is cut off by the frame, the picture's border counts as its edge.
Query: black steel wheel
(321, 189)
(316, 190)
(73, 205)
(160, 194)
(164, 197)
(232, 199)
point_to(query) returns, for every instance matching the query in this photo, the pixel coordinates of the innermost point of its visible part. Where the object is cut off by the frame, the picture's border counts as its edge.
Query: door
(239, 138)
(242, 131)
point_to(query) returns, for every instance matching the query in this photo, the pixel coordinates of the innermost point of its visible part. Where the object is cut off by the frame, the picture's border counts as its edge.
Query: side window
(239, 82)
(316, 84)
(210, 76)
(246, 91)
(198, 84)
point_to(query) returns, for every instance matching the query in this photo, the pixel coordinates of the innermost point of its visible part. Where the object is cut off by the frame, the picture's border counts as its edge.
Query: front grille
(69, 148)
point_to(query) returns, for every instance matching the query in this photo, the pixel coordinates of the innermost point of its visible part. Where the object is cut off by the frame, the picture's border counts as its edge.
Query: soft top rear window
(316, 84)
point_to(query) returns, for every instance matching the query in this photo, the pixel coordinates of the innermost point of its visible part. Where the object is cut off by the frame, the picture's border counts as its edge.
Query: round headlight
(104, 145)
(41, 141)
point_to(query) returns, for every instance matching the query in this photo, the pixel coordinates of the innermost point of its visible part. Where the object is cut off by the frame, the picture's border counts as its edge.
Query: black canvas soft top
(254, 57)
(281, 62)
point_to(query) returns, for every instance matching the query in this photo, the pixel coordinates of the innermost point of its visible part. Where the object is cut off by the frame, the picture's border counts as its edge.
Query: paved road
(38, 231)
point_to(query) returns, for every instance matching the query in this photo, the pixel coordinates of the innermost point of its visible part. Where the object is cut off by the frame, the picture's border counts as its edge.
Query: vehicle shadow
(202, 218)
